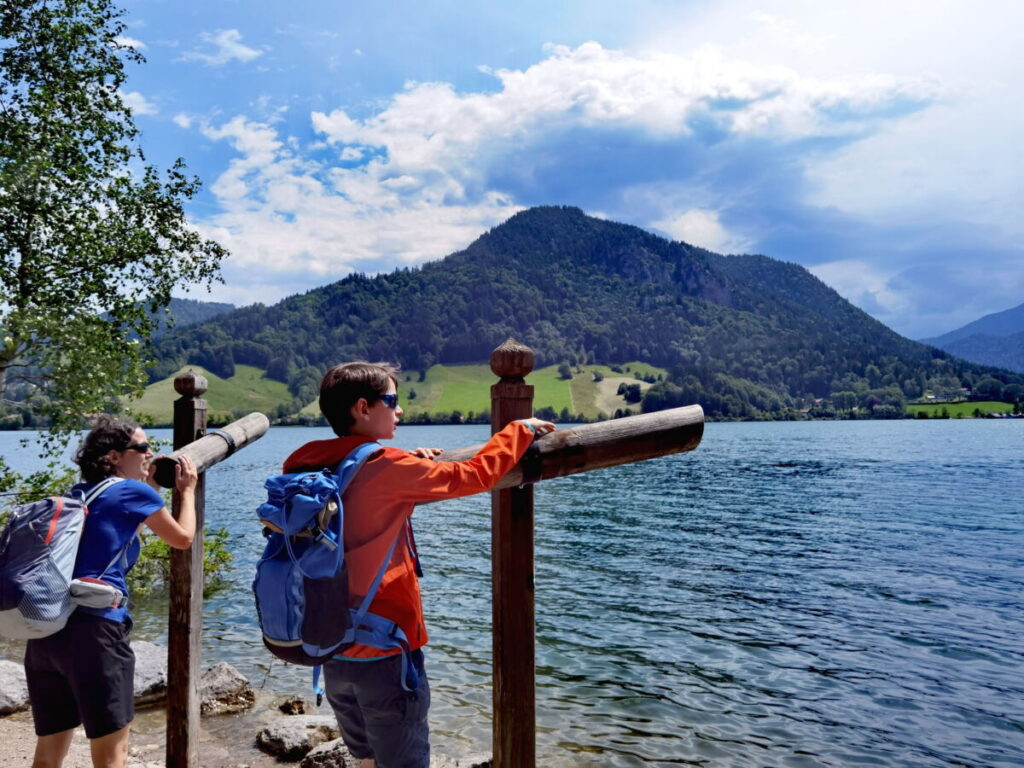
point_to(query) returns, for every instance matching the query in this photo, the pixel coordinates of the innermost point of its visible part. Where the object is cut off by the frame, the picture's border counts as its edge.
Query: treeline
(742, 335)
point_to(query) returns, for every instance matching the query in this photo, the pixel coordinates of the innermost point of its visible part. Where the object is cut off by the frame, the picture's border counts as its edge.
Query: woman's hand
(185, 475)
(426, 453)
(540, 426)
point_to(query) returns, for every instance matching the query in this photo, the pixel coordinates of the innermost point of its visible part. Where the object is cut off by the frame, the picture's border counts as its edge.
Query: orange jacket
(380, 500)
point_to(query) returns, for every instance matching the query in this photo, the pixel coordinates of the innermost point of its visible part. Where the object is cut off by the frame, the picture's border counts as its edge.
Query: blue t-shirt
(113, 521)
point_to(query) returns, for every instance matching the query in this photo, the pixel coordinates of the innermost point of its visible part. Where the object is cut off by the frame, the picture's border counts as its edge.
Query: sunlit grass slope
(247, 390)
(961, 410)
(467, 388)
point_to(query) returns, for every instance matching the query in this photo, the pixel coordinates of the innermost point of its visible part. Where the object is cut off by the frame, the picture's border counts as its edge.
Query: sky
(876, 143)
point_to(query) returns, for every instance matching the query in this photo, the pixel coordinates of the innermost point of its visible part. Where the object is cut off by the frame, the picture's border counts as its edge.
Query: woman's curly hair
(111, 433)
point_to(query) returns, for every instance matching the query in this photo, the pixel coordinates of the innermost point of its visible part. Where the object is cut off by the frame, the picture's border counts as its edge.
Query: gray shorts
(82, 674)
(377, 718)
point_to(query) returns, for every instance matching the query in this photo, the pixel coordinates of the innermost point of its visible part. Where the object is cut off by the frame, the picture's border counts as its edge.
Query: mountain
(1005, 323)
(743, 335)
(186, 312)
(996, 339)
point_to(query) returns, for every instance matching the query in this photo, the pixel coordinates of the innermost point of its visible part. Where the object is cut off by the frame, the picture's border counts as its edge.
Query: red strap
(53, 520)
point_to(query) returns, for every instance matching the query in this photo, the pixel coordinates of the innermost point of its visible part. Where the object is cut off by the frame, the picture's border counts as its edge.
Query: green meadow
(248, 390)
(960, 410)
(444, 389)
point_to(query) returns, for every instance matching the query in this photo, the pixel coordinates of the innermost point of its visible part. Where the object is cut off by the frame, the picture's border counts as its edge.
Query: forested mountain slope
(744, 335)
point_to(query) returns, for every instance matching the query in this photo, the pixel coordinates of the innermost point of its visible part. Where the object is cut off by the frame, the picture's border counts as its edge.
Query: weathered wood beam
(214, 447)
(570, 450)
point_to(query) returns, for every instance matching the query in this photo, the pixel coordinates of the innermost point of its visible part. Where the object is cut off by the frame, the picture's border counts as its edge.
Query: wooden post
(514, 729)
(186, 599)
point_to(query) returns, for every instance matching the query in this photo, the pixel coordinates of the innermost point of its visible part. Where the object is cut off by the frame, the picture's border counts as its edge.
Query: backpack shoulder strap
(101, 486)
(351, 464)
(94, 494)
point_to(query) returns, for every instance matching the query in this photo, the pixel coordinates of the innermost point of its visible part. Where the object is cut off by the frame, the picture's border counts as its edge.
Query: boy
(383, 723)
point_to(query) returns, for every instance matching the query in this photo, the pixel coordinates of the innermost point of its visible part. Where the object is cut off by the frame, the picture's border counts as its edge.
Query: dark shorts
(377, 718)
(83, 674)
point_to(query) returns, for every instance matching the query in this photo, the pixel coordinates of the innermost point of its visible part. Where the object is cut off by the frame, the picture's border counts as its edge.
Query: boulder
(330, 754)
(292, 738)
(150, 673)
(294, 705)
(223, 690)
(13, 689)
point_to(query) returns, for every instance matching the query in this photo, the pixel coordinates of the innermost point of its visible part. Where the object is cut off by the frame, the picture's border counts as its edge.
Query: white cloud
(960, 156)
(130, 42)
(228, 46)
(702, 228)
(286, 214)
(424, 188)
(864, 284)
(430, 128)
(137, 103)
(183, 120)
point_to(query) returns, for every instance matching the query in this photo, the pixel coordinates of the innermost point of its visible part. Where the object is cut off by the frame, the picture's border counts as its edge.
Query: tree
(92, 239)
(989, 388)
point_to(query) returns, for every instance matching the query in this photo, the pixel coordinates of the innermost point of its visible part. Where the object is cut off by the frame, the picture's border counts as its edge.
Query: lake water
(791, 594)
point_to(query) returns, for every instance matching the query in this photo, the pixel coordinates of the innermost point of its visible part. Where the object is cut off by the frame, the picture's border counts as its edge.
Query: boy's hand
(426, 453)
(540, 426)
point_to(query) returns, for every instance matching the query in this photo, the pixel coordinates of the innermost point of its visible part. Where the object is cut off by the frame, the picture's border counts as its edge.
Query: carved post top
(512, 360)
(190, 384)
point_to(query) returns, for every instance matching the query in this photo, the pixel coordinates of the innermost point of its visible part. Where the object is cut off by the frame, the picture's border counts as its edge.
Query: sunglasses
(391, 401)
(140, 447)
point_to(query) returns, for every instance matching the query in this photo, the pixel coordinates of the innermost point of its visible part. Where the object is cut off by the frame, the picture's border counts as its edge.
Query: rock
(295, 705)
(150, 673)
(293, 737)
(13, 688)
(330, 754)
(150, 682)
(223, 690)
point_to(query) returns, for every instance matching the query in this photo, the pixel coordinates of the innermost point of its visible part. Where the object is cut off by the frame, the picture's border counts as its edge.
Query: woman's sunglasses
(140, 447)
(391, 401)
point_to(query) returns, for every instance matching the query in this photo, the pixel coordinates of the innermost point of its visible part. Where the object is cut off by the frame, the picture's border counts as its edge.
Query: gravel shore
(220, 743)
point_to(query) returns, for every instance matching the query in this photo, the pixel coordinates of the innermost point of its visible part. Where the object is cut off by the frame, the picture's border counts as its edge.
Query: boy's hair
(344, 384)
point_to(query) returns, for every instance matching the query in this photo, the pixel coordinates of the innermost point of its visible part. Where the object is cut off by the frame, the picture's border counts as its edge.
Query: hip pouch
(95, 593)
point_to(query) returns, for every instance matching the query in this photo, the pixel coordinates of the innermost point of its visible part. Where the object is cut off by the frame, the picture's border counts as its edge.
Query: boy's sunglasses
(391, 401)
(140, 447)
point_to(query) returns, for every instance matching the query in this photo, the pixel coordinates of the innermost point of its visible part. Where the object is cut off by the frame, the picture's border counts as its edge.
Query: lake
(789, 594)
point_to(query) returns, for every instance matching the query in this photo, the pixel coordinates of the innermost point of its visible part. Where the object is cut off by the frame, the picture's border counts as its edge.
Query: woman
(84, 673)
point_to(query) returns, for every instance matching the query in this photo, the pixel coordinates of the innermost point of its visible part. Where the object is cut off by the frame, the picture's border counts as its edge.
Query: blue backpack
(38, 548)
(301, 584)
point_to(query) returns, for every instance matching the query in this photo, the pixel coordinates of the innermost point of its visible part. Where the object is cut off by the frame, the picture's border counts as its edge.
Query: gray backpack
(38, 548)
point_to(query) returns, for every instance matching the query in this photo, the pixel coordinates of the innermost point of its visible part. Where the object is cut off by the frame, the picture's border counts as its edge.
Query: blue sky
(876, 143)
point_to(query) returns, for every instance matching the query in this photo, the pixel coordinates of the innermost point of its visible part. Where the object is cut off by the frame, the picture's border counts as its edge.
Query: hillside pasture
(247, 390)
(964, 410)
(593, 397)
(444, 389)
